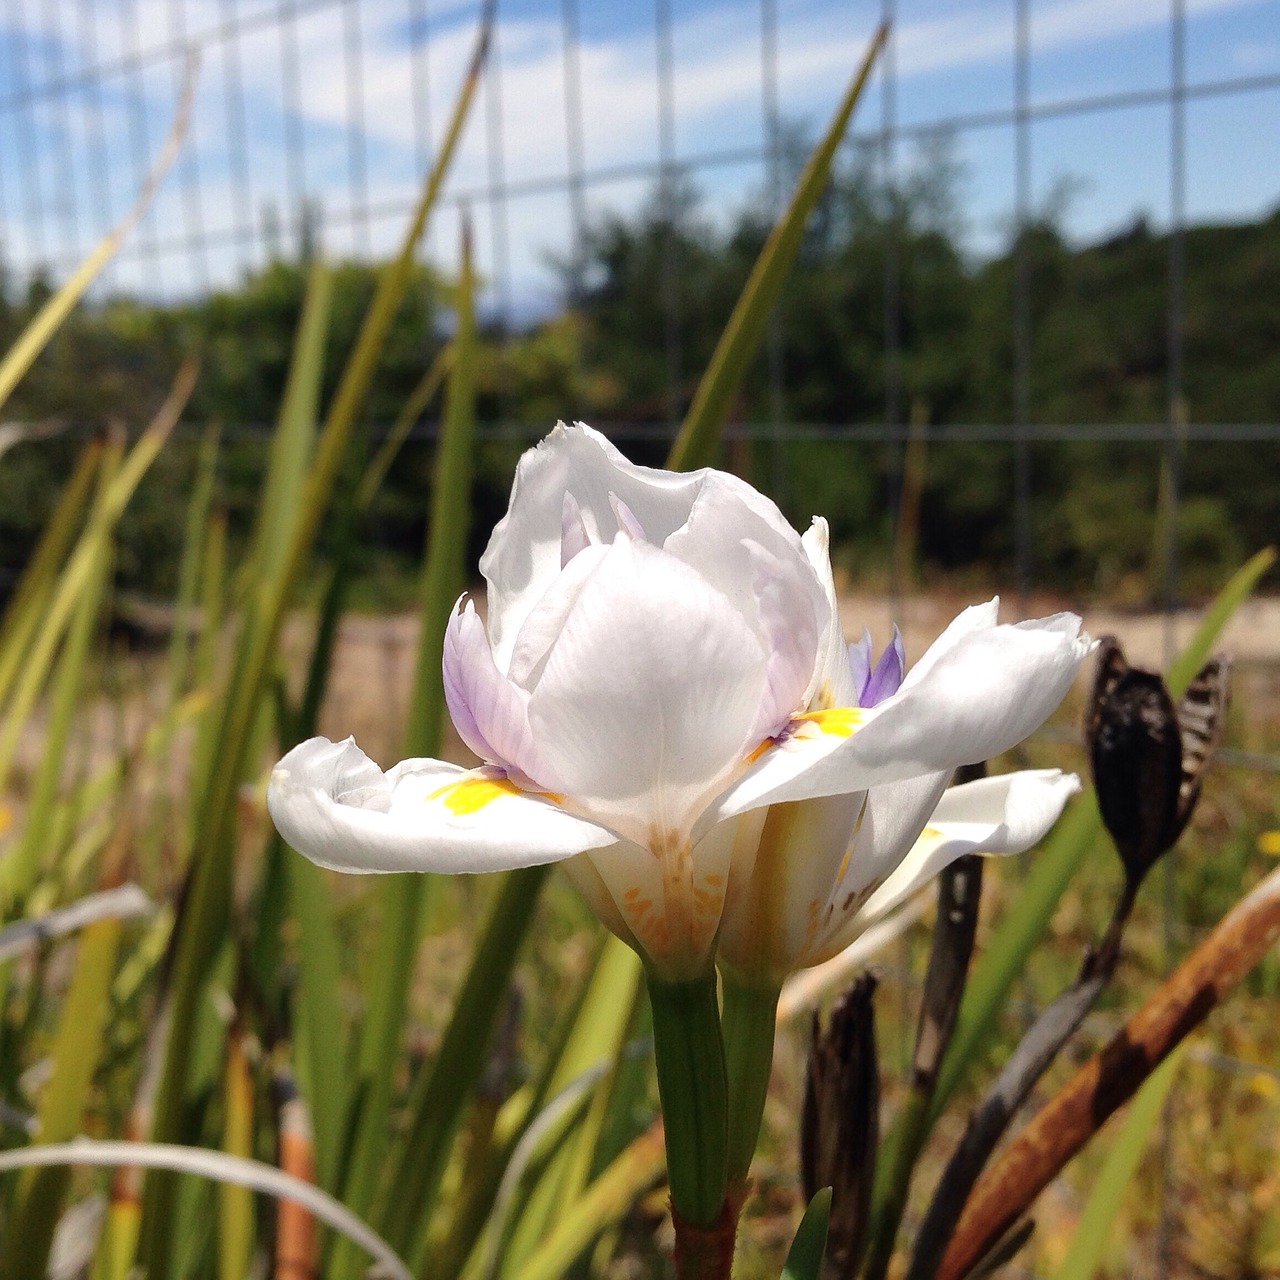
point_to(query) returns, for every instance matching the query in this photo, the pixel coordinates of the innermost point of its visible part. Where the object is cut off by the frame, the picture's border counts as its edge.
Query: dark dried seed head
(839, 1124)
(1147, 755)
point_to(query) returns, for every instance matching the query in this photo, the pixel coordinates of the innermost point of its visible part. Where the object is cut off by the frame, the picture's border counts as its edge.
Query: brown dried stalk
(1109, 1079)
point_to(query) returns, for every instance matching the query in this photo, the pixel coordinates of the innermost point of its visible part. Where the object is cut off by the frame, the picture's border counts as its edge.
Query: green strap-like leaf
(699, 436)
(207, 901)
(35, 337)
(77, 1048)
(403, 898)
(1085, 1251)
(804, 1259)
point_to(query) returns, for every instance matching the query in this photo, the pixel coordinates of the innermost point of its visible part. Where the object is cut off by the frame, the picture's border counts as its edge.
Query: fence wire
(75, 70)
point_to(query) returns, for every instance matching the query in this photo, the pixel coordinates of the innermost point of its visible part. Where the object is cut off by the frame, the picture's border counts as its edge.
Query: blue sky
(69, 160)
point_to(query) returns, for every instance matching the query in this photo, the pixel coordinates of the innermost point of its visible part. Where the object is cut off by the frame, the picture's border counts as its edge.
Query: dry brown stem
(1112, 1076)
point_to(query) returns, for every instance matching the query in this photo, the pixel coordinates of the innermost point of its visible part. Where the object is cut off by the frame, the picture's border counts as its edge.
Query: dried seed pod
(1147, 755)
(839, 1123)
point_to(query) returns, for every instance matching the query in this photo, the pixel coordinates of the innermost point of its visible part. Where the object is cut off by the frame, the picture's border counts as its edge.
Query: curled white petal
(1000, 815)
(333, 804)
(984, 689)
(524, 552)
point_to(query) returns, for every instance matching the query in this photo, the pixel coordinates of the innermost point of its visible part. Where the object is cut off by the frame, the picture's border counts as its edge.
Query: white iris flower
(663, 700)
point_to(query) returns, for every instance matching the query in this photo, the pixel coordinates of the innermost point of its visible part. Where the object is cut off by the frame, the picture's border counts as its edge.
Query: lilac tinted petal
(627, 522)
(886, 679)
(573, 532)
(790, 633)
(860, 666)
(543, 625)
(488, 711)
(831, 684)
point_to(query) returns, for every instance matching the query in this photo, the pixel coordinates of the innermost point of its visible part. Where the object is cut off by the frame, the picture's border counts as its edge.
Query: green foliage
(1089, 1241)
(629, 347)
(804, 1261)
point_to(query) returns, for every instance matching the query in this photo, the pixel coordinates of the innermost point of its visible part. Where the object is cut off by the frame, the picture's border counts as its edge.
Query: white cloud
(717, 96)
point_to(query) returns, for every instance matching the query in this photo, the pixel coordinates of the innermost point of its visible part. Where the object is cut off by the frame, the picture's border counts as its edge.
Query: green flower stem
(749, 1018)
(692, 1086)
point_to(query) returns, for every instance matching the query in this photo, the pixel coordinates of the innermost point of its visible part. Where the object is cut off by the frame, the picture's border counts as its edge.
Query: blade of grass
(435, 1109)
(23, 862)
(333, 603)
(599, 1034)
(197, 531)
(444, 567)
(77, 1049)
(24, 613)
(208, 901)
(699, 436)
(78, 573)
(1084, 1254)
(453, 1242)
(323, 1078)
(293, 441)
(606, 1201)
(121, 903)
(235, 1219)
(804, 1258)
(35, 337)
(403, 898)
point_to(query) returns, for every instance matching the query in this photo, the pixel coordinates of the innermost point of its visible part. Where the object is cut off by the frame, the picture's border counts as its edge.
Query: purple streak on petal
(488, 711)
(626, 518)
(790, 635)
(573, 531)
(885, 680)
(860, 663)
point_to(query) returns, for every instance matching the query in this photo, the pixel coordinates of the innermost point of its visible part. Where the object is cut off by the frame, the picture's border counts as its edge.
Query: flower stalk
(692, 1086)
(749, 1019)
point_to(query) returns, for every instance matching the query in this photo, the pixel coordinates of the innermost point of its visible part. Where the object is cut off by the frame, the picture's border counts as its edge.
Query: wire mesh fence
(315, 118)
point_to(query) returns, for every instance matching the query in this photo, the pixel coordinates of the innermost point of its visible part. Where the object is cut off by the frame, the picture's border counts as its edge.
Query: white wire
(222, 1167)
(120, 903)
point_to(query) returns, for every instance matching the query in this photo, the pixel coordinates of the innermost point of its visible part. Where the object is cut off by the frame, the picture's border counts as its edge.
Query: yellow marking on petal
(756, 752)
(631, 894)
(713, 880)
(638, 910)
(931, 833)
(470, 794)
(839, 722)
